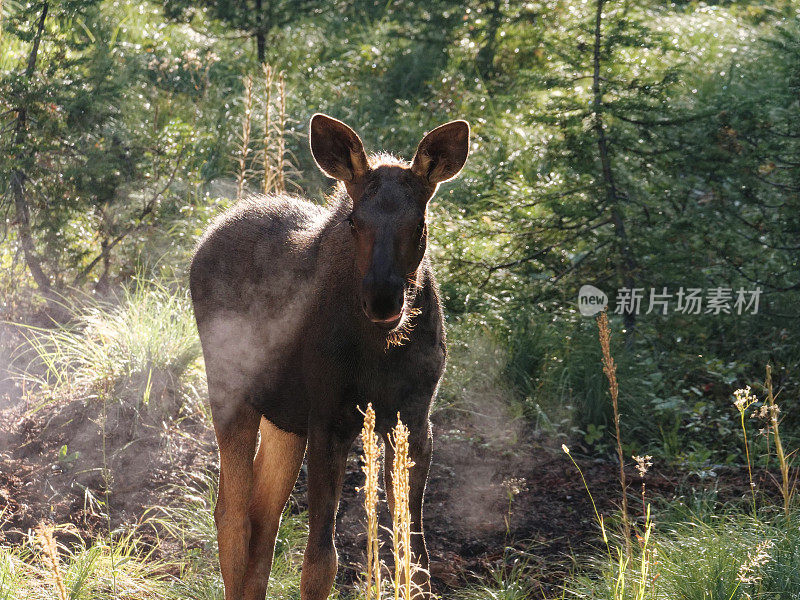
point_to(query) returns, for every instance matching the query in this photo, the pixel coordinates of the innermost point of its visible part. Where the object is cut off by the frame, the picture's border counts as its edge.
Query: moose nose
(383, 301)
(387, 307)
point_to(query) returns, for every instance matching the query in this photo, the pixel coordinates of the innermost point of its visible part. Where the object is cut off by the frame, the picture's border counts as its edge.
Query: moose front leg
(420, 450)
(327, 457)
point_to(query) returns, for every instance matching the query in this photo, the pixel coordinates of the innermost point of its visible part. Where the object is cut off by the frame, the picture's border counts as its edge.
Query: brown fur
(297, 306)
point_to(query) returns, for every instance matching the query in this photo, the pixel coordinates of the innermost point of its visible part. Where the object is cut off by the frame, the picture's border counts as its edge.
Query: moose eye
(351, 223)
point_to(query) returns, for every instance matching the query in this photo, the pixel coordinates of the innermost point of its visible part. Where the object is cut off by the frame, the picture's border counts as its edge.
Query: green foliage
(259, 19)
(104, 126)
(675, 164)
(728, 558)
(531, 220)
(144, 341)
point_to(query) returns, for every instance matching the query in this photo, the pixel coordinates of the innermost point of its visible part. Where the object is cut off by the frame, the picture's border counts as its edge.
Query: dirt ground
(496, 486)
(473, 514)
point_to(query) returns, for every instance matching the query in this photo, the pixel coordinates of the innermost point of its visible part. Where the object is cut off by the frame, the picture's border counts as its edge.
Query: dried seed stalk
(48, 542)
(371, 468)
(244, 147)
(280, 184)
(269, 174)
(401, 515)
(610, 369)
(787, 487)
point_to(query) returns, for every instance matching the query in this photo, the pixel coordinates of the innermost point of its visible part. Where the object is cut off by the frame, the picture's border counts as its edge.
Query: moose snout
(383, 300)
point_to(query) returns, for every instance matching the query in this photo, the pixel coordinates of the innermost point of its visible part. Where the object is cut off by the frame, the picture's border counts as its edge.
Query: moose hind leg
(420, 450)
(275, 471)
(236, 431)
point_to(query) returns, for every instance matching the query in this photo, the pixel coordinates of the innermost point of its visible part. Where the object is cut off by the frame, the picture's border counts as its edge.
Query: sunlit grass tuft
(180, 565)
(371, 469)
(85, 570)
(143, 343)
(730, 558)
(401, 515)
(512, 580)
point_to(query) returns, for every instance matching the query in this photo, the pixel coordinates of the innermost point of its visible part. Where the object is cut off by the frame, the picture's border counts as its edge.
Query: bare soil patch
(52, 468)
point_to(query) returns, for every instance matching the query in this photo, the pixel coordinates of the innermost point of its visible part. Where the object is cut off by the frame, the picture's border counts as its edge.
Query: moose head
(388, 221)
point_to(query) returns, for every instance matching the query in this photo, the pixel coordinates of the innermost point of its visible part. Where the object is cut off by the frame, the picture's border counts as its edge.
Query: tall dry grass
(269, 76)
(272, 160)
(243, 154)
(788, 484)
(610, 369)
(401, 515)
(371, 468)
(769, 412)
(625, 579)
(280, 154)
(402, 464)
(44, 534)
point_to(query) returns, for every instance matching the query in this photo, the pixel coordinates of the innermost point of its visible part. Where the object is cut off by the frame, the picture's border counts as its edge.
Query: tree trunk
(18, 176)
(261, 38)
(485, 57)
(102, 286)
(626, 264)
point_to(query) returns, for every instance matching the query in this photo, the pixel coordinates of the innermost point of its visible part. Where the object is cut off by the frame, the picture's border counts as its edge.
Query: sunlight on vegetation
(33, 570)
(145, 338)
(627, 145)
(728, 558)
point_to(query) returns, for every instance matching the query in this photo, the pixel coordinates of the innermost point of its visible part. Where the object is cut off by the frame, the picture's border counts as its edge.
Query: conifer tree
(68, 152)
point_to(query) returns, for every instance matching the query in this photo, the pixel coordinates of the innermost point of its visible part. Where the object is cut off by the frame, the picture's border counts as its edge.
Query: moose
(307, 313)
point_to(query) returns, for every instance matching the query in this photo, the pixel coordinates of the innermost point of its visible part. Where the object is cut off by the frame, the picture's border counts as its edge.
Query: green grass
(120, 568)
(182, 565)
(132, 349)
(727, 558)
(730, 557)
(190, 522)
(512, 581)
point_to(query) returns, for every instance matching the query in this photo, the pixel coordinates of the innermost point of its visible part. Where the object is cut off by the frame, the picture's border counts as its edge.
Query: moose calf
(305, 314)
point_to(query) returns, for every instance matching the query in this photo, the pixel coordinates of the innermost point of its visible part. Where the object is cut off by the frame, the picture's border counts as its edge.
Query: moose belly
(281, 398)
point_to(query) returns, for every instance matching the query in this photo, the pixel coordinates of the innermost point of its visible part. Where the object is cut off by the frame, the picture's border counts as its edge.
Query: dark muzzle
(383, 300)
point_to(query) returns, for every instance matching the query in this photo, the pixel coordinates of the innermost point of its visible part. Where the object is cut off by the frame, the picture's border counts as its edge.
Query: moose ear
(337, 149)
(442, 153)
